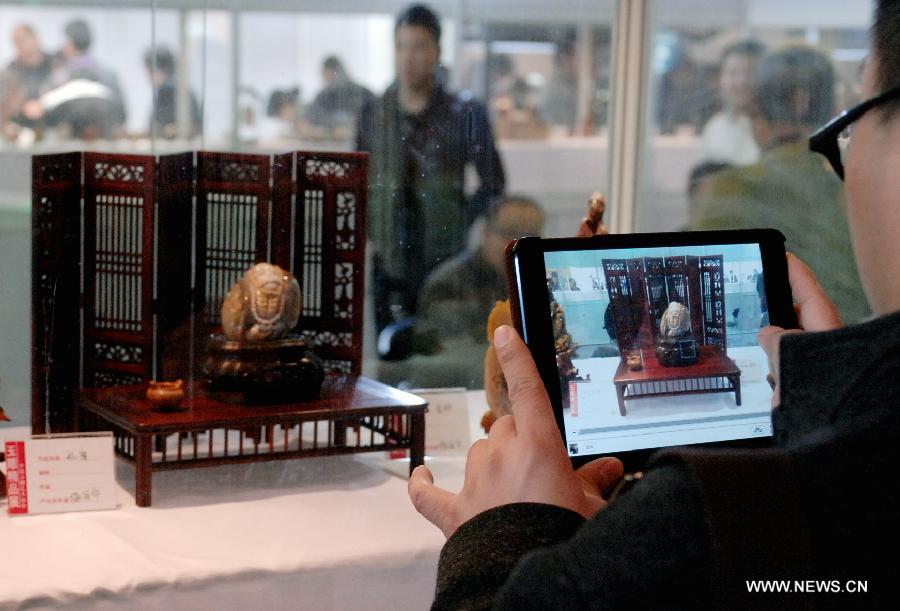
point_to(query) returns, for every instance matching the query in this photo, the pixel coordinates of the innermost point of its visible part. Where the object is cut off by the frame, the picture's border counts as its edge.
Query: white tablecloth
(320, 533)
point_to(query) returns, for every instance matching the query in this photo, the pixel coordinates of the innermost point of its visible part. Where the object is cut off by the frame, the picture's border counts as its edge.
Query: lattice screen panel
(233, 198)
(119, 225)
(327, 211)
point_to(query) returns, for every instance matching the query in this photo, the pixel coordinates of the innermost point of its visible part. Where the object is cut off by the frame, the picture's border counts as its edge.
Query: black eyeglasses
(832, 139)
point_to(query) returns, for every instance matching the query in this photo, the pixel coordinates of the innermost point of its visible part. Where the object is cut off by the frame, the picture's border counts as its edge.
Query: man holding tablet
(529, 531)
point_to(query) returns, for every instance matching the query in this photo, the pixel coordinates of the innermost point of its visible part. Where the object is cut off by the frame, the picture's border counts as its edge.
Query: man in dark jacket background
(421, 138)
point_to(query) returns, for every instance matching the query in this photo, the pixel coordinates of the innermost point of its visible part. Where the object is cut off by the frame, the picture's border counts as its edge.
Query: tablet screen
(657, 346)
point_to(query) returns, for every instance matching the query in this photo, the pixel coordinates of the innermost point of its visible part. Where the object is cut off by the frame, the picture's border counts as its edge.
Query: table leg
(416, 441)
(340, 432)
(736, 382)
(620, 394)
(143, 469)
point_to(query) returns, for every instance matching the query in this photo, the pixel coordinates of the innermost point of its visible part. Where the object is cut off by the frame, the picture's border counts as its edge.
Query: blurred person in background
(23, 79)
(728, 135)
(558, 103)
(85, 99)
(681, 96)
(336, 108)
(449, 334)
(700, 181)
(420, 139)
(160, 65)
(789, 188)
(513, 107)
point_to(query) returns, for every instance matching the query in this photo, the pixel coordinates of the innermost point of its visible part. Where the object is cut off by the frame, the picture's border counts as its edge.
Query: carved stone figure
(258, 355)
(596, 208)
(676, 346)
(565, 348)
(676, 321)
(263, 305)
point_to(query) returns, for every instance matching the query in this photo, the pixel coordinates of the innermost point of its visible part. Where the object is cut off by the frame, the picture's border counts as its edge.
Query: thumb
(769, 339)
(432, 502)
(602, 474)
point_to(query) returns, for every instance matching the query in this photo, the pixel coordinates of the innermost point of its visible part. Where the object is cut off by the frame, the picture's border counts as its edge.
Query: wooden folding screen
(641, 289)
(167, 237)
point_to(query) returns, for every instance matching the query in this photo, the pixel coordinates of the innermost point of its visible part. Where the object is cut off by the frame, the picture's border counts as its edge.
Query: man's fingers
(816, 311)
(604, 473)
(527, 395)
(432, 502)
(769, 338)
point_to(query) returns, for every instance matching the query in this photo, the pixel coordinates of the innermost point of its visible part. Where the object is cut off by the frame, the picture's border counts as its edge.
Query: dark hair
(281, 98)
(749, 47)
(783, 76)
(703, 170)
(421, 16)
(79, 34)
(160, 58)
(885, 34)
(333, 63)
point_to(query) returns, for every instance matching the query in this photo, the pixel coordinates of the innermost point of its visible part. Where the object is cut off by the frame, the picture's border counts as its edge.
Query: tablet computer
(646, 341)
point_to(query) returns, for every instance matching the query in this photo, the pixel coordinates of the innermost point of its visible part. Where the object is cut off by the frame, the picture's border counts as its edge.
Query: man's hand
(522, 460)
(815, 312)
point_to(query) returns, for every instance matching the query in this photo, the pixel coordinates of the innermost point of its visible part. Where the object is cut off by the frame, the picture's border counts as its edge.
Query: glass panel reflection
(734, 96)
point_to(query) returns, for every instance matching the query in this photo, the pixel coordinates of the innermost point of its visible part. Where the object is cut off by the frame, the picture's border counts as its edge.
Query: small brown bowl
(634, 362)
(166, 394)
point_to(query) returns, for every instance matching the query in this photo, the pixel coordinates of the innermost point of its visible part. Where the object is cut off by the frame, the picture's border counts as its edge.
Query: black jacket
(418, 211)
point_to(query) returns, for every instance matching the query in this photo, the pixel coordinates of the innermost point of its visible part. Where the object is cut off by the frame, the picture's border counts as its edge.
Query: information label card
(57, 473)
(446, 422)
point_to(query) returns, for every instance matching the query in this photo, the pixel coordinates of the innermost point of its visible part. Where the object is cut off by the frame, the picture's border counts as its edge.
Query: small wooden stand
(383, 418)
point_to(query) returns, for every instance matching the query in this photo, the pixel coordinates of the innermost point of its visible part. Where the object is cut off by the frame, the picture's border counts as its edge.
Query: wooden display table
(713, 372)
(156, 439)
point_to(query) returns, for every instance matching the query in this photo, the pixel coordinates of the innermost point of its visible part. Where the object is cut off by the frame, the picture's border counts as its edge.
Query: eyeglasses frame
(825, 140)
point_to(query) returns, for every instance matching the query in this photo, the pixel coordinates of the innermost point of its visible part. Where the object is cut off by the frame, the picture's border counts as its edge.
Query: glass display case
(576, 96)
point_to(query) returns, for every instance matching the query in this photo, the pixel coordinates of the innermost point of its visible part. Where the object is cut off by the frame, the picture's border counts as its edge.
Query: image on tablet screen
(657, 346)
